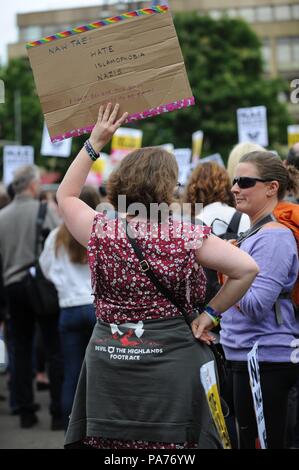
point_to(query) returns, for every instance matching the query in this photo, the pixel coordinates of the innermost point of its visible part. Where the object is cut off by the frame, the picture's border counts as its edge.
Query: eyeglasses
(247, 181)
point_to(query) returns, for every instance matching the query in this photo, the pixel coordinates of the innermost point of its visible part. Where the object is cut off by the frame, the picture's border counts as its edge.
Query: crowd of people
(116, 360)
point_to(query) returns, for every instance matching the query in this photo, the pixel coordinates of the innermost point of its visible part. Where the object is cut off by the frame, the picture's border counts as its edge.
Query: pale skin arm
(77, 215)
(240, 270)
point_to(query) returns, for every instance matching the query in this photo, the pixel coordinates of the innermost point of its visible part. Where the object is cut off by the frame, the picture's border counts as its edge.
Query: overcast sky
(10, 8)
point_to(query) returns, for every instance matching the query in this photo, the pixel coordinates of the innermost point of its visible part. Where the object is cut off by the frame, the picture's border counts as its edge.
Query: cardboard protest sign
(133, 59)
(252, 125)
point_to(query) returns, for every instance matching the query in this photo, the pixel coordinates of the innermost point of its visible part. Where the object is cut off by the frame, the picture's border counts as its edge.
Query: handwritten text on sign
(75, 75)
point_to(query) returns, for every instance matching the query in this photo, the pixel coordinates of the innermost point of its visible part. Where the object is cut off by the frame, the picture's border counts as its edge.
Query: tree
(225, 69)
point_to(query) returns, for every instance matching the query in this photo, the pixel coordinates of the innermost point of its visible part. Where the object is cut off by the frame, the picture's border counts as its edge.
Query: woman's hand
(106, 125)
(201, 327)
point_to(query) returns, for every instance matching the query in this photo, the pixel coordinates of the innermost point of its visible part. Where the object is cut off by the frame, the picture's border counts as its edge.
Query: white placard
(255, 385)
(215, 157)
(14, 157)
(168, 147)
(252, 125)
(59, 149)
(183, 158)
(208, 380)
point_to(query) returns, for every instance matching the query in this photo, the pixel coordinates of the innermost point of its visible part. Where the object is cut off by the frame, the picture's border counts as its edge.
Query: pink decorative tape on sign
(165, 108)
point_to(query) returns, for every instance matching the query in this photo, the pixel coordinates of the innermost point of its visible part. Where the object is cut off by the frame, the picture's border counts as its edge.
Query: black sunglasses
(247, 181)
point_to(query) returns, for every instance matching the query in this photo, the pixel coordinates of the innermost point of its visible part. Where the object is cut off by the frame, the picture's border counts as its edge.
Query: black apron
(141, 381)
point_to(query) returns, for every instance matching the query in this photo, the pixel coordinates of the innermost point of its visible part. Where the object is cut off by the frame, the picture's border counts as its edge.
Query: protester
(265, 313)
(292, 161)
(293, 156)
(17, 250)
(64, 262)
(139, 384)
(209, 185)
(237, 152)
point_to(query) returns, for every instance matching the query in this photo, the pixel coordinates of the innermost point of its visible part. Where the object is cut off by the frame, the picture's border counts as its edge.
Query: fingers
(122, 119)
(100, 115)
(114, 113)
(107, 112)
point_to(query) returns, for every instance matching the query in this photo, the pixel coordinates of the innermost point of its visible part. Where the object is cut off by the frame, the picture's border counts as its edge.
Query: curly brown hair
(147, 175)
(208, 183)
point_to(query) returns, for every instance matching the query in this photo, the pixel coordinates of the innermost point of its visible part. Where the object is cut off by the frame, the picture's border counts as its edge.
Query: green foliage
(224, 66)
(225, 69)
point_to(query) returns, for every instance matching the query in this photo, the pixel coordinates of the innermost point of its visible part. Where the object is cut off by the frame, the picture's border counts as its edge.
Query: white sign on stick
(252, 125)
(183, 158)
(14, 157)
(57, 149)
(255, 385)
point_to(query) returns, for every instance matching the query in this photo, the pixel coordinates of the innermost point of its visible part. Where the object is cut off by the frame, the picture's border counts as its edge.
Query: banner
(133, 59)
(124, 141)
(252, 125)
(14, 157)
(293, 135)
(58, 149)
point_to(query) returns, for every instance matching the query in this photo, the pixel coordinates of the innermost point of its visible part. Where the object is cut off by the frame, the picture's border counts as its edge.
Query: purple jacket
(275, 252)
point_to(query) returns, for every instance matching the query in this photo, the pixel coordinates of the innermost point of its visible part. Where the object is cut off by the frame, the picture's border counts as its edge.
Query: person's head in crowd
(261, 180)
(293, 156)
(208, 183)
(10, 191)
(4, 197)
(147, 175)
(76, 251)
(27, 181)
(237, 152)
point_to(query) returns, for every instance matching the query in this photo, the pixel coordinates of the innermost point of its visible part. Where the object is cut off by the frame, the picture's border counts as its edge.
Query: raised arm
(240, 270)
(77, 215)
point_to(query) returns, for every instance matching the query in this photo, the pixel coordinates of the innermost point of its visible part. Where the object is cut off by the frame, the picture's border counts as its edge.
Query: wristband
(215, 320)
(213, 314)
(91, 151)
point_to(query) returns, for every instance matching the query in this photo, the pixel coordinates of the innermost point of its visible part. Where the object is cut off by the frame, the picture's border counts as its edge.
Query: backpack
(287, 213)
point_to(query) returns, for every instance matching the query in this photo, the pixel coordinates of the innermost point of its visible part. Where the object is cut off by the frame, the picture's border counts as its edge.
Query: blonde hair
(237, 152)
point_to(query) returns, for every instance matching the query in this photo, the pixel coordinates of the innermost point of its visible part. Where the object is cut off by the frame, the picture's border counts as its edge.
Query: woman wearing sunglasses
(260, 182)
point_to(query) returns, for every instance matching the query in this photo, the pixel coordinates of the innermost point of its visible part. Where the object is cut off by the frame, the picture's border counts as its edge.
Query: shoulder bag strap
(145, 268)
(256, 227)
(234, 223)
(41, 215)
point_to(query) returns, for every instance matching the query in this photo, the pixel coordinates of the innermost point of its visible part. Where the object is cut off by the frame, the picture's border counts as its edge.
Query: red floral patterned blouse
(124, 293)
